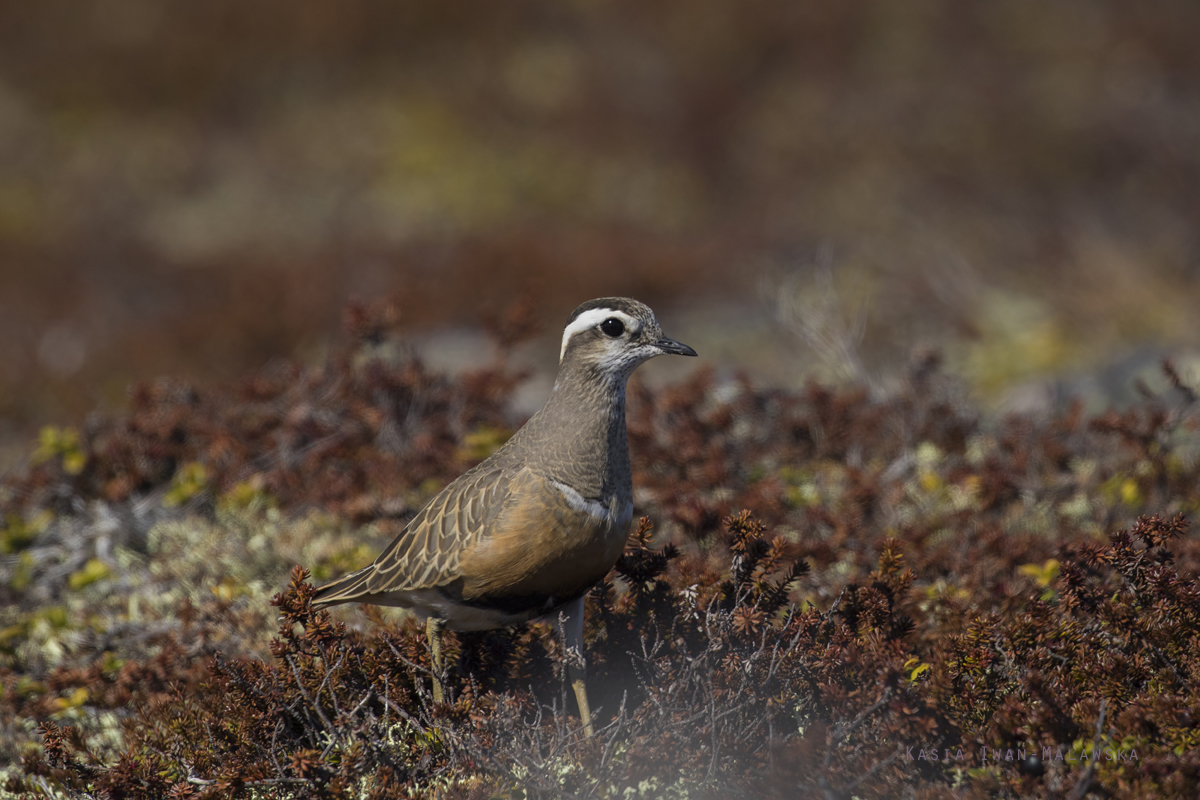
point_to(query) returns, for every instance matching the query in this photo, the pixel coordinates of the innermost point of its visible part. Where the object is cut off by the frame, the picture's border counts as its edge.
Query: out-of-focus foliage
(915, 579)
(195, 188)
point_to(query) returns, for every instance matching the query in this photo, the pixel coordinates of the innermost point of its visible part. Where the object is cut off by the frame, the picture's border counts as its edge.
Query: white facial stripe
(590, 319)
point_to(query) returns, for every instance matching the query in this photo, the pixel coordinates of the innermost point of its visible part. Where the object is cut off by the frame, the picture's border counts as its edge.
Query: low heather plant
(922, 601)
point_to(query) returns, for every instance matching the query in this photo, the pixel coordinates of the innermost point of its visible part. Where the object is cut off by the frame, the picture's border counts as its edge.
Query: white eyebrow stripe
(590, 319)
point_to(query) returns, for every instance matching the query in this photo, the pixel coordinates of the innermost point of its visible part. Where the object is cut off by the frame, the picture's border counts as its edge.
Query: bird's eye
(612, 327)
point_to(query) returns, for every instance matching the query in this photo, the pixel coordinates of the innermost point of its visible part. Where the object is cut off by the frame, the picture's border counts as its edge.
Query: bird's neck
(579, 436)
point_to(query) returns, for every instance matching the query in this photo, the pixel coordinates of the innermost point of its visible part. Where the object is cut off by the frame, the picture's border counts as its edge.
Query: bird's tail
(349, 589)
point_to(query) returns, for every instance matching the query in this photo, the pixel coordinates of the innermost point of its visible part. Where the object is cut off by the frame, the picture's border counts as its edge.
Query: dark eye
(612, 327)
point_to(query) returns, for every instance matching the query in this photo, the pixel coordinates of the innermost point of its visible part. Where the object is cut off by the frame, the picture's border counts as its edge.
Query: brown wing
(539, 547)
(426, 553)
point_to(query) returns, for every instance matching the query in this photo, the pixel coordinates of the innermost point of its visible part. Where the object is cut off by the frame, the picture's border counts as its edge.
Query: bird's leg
(570, 627)
(433, 633)
(579, 684)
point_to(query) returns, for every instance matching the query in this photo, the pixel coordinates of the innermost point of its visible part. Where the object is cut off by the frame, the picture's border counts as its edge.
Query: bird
(528, 531)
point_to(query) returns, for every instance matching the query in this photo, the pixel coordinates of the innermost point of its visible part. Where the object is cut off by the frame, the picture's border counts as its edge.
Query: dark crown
(631, 307)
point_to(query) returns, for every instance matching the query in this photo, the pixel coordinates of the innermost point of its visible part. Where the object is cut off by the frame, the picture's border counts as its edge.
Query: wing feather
(426, 553)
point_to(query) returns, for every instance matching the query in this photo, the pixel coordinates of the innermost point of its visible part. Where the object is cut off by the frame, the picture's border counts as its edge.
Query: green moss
(482, 442)
(344, 562)
(247, 495)
(18, 532)
(189, 481)
(1043, 575)
(94, 570)
(61, 443)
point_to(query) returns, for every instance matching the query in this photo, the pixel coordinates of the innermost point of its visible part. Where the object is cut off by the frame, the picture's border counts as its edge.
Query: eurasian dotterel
(528, 531)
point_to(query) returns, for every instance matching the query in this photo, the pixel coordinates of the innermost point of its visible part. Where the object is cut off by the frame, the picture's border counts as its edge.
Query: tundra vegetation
(832, 593)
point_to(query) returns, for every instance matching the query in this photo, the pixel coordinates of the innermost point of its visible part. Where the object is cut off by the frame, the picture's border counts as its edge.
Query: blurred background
(799, 189)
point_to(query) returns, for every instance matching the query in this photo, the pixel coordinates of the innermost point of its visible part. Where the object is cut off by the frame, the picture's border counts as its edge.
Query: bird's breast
(550, 541)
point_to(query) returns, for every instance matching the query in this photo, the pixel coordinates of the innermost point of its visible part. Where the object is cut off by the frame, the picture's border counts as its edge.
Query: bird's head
(613, 335)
